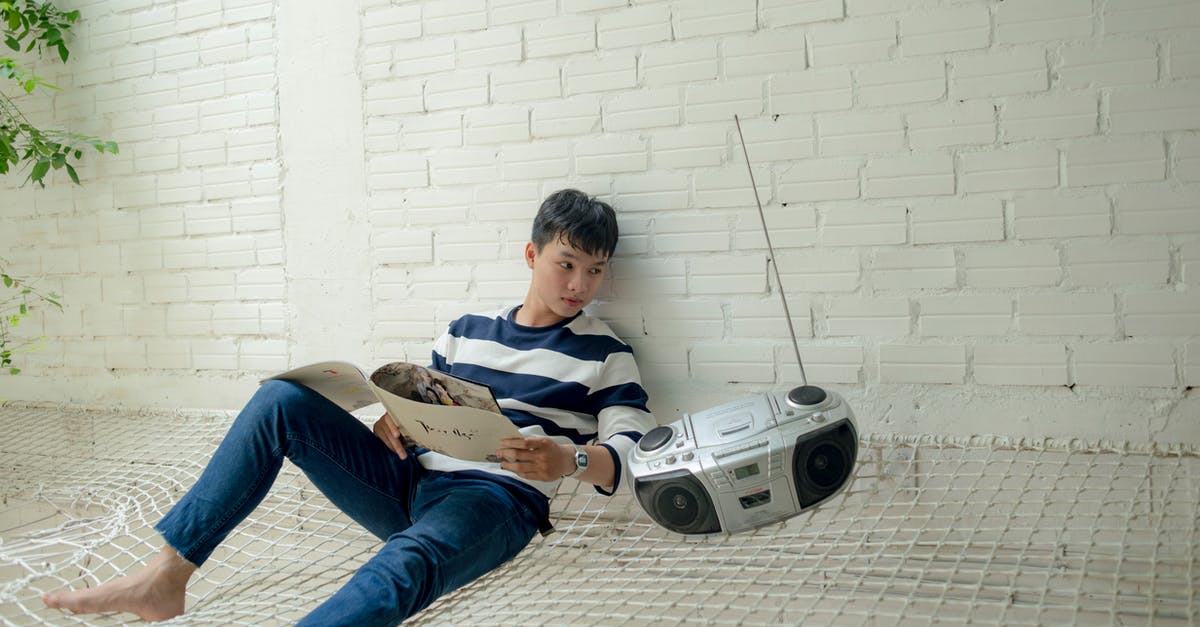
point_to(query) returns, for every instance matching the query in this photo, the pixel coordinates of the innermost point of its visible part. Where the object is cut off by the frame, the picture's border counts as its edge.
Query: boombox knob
(805, 396)
(656, 438)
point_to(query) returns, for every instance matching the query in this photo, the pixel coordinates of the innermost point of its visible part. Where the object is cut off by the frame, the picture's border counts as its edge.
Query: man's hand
(540, 459)
(387, 431)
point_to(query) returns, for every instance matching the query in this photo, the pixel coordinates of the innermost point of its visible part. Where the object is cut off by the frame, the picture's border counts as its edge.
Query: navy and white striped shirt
(574, 381)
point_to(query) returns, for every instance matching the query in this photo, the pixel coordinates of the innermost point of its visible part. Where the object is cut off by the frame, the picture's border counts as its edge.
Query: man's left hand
(539, 459)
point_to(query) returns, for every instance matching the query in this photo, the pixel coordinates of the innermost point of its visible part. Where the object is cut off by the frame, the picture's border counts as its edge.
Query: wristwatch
(581, 462)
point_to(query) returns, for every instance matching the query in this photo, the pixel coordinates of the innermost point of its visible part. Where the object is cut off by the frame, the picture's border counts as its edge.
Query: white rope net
(985, 530)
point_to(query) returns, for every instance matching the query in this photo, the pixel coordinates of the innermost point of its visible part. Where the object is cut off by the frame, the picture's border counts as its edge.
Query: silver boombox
(746, 463)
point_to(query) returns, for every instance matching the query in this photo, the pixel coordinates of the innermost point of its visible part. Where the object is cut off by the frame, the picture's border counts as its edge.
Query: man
(561, 376)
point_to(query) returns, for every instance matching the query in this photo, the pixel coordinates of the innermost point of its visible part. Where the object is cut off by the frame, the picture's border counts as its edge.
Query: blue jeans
(440, 530)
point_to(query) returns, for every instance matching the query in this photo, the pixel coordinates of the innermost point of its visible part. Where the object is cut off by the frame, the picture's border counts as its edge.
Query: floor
(987, 530)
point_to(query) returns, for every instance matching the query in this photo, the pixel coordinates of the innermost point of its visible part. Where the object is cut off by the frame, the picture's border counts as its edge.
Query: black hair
(580, 220)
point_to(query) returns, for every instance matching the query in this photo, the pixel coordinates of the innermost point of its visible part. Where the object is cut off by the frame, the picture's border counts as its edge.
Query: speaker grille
(677, 501)
(823, 462)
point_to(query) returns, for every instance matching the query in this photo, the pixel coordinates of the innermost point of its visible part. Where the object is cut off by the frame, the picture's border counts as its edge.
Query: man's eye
(595, 271)
(566, 265)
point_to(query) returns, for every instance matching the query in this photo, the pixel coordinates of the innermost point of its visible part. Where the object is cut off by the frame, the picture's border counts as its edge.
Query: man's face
(565, 280)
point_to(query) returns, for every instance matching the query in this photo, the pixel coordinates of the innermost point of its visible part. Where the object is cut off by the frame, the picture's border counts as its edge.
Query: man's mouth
(573, 302)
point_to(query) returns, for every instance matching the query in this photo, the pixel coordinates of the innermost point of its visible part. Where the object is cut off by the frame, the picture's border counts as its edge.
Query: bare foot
(155, 592)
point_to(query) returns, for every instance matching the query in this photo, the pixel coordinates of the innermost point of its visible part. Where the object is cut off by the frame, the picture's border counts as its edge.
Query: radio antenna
(771, 251)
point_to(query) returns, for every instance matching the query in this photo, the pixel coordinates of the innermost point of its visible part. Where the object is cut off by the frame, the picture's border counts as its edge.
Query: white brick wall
(966, 196)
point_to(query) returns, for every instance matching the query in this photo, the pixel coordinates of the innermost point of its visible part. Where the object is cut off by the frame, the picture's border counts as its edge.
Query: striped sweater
(574, 382)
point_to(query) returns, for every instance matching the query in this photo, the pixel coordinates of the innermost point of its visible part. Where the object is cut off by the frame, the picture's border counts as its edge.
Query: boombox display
(747, 463)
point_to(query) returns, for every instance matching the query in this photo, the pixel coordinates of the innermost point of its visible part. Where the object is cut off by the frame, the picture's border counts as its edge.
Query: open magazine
(438, 411)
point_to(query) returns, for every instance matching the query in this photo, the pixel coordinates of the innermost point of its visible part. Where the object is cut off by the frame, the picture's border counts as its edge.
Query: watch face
(581, 459)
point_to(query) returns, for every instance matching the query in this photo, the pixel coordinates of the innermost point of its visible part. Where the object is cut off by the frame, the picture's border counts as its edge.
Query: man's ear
(530, 253)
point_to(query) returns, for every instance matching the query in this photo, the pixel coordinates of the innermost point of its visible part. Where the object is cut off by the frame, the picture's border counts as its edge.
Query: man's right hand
(387, 431)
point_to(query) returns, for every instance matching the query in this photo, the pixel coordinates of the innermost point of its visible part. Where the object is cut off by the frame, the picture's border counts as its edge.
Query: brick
(820, 179)
(467, 88)
(689, 147)
(730, 187)
(528, 81)
(1138, 110)
(579, 115)
(464, 167)
(496, 125)
(488, 47)
(1184, 59)
(262, 355)
(1157, 211)
(922, 363)
(212, 285)
(1125, 365)
(603, 74)
(442, 282)
(613, 153)
(901, 82)
(964, 315)
(1012, 266)
(814, 90)
(394, 96)
(429, 55)
(700, 18)
(764, 318)
(952, 125)
(1021, 364)
(1113, 62)
(686, 62)
(507, 201)
(453, 16)
(727, 274)
(537, 160)
(949, 29)
(913, 269)
(965, 220)
(435, 130)
(1189, 264)
(828, 270)
(1024, 21)
(913, 175)
(391, 23)
(1131, 16)
(467, 243)
(651, 192)
(1115, 161)
(703, 233)
(1104, 262)
(1048, 215)
(520, 11)
(868, 316)
(791, 227)
(733, 363)
(860, 133)
(764, 52)
(1066, 314)
(1187, 159)
(397, 171)
(501, 281)
(832, 364)
(667, 318)
(852, 42)
(1032, 167)
(640, 277)
(721, 101)
(1162, 314)
(643, 109)
(1191, 367)
(864, 225)
(776, 138)
(1012, 72)
(560, 36)
(1050, 117)
(634, 26)
(776, 13)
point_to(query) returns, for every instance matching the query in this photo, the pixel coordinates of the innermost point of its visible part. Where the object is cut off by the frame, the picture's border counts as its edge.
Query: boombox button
(689, 456)
(671, 460)
(818, 417)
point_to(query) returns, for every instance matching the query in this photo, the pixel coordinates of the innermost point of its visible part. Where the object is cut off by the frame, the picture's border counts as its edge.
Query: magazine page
(339, 381)
(443, 413)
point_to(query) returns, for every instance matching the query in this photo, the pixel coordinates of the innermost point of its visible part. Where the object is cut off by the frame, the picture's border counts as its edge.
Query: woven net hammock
(982, 530)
